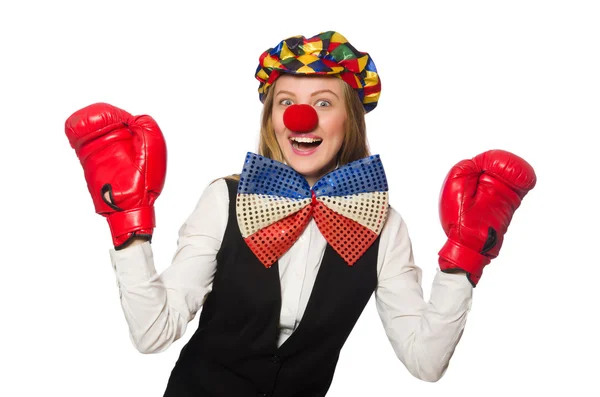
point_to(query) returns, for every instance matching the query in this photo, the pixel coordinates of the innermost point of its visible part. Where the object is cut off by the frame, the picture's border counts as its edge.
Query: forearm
(423, 334)
(148, 306)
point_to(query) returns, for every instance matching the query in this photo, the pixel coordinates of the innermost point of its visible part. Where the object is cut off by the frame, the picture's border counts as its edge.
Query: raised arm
(477, 202)
(124, 163)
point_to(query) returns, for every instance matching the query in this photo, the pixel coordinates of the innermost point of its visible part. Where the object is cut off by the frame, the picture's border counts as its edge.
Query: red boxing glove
(477, 202)
(125, 156)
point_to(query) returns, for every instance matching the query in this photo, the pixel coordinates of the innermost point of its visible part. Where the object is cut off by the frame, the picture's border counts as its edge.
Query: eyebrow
(313, 94)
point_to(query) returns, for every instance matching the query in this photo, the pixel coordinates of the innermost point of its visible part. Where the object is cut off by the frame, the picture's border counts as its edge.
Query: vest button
(276, 359)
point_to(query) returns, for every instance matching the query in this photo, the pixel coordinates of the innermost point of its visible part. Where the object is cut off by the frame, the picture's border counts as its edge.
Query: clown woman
(281, 258)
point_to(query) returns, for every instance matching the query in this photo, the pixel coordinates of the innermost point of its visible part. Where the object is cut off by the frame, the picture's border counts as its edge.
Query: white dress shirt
(158, 307)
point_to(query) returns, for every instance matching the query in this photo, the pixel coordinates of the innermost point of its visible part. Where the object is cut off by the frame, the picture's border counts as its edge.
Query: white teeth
(305, 139)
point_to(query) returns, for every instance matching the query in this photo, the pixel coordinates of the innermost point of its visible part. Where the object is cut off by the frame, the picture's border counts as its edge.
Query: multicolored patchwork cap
(327, 53)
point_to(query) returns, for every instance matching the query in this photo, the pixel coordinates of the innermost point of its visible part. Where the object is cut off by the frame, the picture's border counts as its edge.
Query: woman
(284, 257)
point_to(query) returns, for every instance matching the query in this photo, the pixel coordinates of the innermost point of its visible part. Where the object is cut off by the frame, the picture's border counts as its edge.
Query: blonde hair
(354, 147)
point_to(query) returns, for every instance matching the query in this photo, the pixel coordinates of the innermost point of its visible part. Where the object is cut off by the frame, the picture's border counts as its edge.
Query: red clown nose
(300, 118)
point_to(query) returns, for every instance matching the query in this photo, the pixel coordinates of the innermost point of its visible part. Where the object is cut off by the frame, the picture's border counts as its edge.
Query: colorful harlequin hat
(327, 53)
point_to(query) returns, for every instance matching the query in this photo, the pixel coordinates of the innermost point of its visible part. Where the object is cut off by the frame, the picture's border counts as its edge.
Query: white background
(459, 78)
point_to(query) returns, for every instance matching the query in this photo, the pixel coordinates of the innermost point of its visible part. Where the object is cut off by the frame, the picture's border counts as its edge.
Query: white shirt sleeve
(423, 334)
(158, 307)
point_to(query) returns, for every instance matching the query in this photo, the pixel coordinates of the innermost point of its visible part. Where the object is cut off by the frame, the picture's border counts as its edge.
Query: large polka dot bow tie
(275, 204)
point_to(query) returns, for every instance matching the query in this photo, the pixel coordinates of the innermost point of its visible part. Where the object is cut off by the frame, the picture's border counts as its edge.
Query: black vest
(234, 351)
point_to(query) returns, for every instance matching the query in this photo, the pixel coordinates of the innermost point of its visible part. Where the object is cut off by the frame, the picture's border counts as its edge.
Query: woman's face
(326, 95)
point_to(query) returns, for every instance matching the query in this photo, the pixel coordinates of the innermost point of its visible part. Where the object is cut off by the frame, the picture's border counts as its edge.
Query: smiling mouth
(305, 143)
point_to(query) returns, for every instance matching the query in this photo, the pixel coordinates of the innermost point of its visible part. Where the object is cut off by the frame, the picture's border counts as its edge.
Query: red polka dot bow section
(275, 204)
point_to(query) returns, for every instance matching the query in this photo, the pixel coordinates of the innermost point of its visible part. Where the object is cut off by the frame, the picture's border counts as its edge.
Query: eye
(286, 102)
(323, 103)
